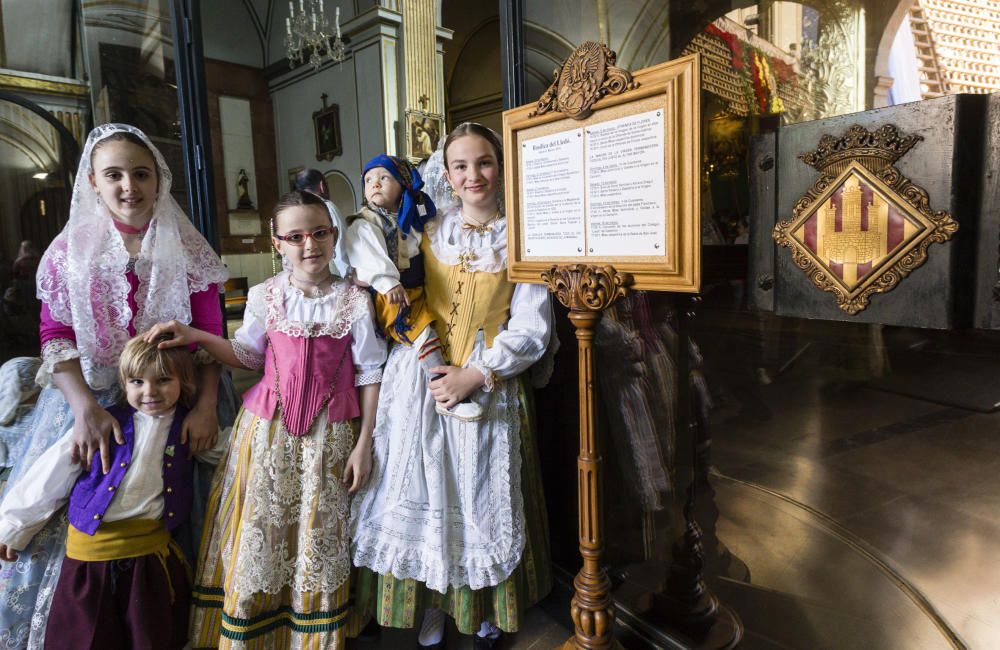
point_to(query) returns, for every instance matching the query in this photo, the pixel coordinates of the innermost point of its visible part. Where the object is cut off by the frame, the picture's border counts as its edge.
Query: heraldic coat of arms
(863, 226)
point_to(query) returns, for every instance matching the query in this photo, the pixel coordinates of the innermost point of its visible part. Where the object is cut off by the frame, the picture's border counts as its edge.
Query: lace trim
(366, 378)
(489, 378)
(454, 245)
(82, 275)
(295, 532)
(395, 535)
(54, 352)
(246, 356)
(352, 304)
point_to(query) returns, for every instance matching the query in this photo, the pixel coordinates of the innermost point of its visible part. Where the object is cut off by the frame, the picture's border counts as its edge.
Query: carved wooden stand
(587, 291)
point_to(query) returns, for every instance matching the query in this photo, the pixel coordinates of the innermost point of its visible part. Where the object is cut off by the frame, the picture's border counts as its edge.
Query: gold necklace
(480, 227)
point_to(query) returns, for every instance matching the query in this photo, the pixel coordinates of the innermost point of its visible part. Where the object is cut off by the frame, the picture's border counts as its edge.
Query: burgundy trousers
(130, 604)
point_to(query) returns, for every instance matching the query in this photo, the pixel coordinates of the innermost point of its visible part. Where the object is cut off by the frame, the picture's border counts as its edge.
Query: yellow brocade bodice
(464, 301)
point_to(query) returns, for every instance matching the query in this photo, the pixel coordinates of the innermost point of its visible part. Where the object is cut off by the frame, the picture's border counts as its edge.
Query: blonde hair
(139, 356)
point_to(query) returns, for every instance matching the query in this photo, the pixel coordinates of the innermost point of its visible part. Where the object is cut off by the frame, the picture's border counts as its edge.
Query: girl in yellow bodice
(453, 521)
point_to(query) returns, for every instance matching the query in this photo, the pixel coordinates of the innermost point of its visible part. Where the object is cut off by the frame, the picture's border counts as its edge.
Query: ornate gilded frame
(589, 89)
(870, 157)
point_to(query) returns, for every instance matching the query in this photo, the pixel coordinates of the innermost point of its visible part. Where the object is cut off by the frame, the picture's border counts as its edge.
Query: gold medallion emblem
(863, 226)
(585, 77)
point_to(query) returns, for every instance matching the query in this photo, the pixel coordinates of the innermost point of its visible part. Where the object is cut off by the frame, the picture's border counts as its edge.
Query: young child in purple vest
(124, 582)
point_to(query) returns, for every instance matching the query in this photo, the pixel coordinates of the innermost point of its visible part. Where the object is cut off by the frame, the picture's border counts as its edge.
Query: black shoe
(371, 633)
(486, 642)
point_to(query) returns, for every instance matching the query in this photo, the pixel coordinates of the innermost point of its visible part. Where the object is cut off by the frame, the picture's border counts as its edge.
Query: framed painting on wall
(423, 130)
(327, 125)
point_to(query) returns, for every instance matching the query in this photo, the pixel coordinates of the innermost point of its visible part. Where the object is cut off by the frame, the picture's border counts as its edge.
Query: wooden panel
(234, 80)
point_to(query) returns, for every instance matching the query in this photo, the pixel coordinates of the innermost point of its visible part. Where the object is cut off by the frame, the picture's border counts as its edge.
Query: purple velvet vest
(94, 491)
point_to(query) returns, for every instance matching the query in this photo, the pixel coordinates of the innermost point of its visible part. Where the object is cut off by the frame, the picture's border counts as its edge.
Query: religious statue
(243, 201)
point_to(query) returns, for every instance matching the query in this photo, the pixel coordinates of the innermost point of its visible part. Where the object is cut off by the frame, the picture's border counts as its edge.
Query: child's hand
(397, 296)
(359, 466)
(177, 334)
(456, 385)
(7, 554)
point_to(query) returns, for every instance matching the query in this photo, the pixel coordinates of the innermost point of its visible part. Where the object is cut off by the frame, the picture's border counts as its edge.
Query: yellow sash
(419, 318)
(117, 540)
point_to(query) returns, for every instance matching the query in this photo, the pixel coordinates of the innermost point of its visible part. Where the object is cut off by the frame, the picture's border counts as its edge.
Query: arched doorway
(38, 158)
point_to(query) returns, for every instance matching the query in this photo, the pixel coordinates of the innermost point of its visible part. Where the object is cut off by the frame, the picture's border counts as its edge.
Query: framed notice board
(618, 185)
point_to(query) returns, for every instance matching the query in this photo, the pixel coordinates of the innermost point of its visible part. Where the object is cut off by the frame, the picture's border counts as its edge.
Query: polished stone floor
(867, 519)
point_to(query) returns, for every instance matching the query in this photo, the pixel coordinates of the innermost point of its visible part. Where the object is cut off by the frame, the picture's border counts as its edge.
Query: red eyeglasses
(299, 238)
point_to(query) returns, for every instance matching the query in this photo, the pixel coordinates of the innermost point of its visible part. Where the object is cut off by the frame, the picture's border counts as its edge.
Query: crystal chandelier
(308, 34)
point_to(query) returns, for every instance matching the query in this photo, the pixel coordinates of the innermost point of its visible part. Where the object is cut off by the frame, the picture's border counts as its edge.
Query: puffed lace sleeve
(58, 345)
(526, 338)
(250, 340)
(368, 349)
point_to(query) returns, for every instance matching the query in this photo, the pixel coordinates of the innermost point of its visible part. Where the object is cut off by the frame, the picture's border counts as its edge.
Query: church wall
(295, 133)
(229, 33)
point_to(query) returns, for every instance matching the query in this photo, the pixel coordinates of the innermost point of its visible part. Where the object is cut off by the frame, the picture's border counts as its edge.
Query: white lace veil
(81, 277)
(436, 184)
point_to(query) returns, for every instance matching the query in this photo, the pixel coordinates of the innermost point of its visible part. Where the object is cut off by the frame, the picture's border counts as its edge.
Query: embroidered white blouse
(250, 341)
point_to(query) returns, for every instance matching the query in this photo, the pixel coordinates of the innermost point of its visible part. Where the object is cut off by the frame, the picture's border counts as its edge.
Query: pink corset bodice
(305, 374)
(307, 366)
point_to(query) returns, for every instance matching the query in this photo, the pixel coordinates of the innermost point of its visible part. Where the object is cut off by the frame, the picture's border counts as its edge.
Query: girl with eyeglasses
(274, 561)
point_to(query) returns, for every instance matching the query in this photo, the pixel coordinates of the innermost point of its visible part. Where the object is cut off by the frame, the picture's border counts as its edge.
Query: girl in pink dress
(127, 258)
(274, 562)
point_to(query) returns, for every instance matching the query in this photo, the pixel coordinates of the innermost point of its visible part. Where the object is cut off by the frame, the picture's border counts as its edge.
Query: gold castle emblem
(863, 226)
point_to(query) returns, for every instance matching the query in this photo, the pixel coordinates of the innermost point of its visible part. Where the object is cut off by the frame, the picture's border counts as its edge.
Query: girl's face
(312, 254)
(382, 189)
(124, 176)
(153, 393)
(474, 171)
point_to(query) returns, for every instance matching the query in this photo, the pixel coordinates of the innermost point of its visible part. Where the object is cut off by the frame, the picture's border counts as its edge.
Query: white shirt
(369, 254)
(46, 486)
(367, 347)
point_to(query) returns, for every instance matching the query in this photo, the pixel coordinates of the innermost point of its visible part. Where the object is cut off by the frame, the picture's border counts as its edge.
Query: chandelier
(308, 34)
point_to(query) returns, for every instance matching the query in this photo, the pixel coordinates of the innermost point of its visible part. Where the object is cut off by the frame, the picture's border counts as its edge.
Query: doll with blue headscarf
(383, 244)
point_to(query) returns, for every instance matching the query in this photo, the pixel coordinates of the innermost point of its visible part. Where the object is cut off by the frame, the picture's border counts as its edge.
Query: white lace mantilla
(484, 250)
(81, 276)
(351, 303)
